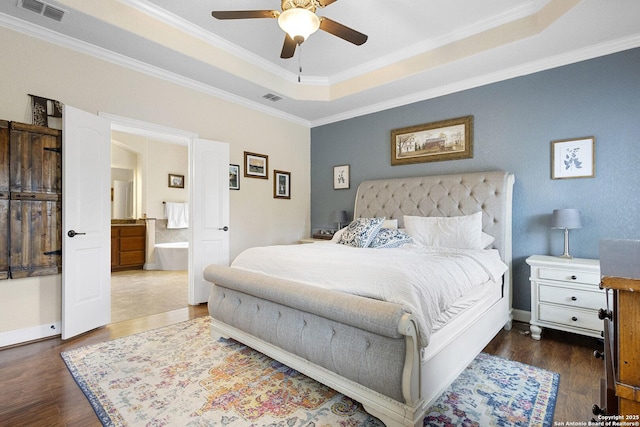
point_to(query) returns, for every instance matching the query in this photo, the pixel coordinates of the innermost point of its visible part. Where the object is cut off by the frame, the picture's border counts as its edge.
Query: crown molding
(560, 60)
(50, 36)
(187, 27)
(529, 8)
(118, 59)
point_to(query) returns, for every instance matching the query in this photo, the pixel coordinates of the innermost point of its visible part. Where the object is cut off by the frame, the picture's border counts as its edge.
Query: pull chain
(299, 62)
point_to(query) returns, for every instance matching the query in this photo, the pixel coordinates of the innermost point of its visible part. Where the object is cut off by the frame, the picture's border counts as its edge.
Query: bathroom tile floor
(139, 293)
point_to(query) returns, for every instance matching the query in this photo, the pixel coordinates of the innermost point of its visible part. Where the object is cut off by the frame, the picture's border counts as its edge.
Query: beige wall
(32, 66)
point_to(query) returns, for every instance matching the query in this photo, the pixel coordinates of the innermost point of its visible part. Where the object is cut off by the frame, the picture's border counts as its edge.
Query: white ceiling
(416, 49)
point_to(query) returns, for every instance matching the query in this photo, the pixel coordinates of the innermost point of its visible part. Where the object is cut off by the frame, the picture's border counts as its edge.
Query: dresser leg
(536, 332)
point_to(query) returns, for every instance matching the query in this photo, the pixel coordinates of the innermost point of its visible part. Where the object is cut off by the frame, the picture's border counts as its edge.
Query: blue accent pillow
(390, 238)
(361, 232)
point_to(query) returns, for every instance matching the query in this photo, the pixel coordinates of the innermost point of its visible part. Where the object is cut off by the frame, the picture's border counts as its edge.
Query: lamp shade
(338, 216)
(566, 218)
(299, 23)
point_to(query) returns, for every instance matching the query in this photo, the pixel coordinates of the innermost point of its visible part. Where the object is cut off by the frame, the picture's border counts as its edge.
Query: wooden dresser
(128, 243)
(620, 388)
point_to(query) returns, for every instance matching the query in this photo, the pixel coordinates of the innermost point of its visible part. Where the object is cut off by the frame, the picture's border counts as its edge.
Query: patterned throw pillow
(390, 238)
(361, 232)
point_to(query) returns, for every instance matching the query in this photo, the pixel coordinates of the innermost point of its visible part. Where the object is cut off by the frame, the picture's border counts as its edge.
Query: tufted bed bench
(366, 348)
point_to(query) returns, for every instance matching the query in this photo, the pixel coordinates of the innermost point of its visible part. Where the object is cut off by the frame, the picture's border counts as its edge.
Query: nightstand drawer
(569, 276)
(571, 297)
(570, 317)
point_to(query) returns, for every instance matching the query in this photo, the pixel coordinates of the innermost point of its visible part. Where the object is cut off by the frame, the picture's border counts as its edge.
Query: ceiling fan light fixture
(299, 23)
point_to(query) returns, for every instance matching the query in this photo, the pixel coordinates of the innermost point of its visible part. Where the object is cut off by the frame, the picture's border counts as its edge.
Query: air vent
(272, 97)
(32, 5)
(42, 8)
(53, 13)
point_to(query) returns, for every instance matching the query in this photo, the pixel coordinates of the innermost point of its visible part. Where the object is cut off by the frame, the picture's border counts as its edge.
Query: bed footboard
(364, 348)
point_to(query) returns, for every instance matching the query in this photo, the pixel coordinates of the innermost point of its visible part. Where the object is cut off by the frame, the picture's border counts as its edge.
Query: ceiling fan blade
(339, 30)
(244, 14)
(288, 48)
(325, 3)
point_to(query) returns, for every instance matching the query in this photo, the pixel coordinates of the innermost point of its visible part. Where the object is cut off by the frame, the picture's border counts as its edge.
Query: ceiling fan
(299, 20)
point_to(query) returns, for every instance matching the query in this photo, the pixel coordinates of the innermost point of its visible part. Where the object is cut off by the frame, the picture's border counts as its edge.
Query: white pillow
(337, 235)
(486, 240)
(462, 232)
(390, 223)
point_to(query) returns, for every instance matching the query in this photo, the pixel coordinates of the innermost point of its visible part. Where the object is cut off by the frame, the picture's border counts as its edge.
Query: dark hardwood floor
(570, 355)
(37, 389)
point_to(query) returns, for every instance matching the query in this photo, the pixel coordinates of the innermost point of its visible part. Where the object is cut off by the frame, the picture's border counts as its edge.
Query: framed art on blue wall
(573, 158)
(433, 142)
(341, 177)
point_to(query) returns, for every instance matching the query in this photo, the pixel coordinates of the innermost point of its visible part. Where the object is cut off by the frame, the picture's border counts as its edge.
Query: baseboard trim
(34, 333)
(521, 315)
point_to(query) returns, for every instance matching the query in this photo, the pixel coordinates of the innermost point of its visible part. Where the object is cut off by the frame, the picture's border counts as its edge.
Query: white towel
(177, 214)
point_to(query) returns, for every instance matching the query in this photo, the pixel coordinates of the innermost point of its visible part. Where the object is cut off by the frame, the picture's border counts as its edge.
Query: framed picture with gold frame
(281, 184)
(433, 142)
(256, 165)
(176, 181)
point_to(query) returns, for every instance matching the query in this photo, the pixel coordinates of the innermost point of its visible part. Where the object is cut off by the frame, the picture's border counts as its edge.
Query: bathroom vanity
(128, 243)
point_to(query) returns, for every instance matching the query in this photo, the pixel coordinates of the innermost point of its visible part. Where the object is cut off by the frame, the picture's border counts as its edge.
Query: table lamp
(567, 219)
(338, 216)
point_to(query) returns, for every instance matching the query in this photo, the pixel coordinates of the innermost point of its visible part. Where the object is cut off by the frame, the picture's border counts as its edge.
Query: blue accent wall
(514, 124)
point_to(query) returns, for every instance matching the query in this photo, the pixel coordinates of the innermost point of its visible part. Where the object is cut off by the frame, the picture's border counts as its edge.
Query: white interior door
(209, 213)
(86, 178)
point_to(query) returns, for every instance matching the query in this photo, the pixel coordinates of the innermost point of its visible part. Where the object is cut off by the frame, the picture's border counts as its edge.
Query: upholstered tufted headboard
(444, 195)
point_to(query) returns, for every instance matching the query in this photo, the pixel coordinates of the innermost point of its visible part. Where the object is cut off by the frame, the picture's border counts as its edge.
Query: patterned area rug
(179, 376)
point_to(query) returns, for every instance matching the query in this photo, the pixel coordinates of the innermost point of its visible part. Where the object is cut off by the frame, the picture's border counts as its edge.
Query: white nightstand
(565, 295)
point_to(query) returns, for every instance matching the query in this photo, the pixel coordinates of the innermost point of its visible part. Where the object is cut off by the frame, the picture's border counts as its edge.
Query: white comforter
(426, 281)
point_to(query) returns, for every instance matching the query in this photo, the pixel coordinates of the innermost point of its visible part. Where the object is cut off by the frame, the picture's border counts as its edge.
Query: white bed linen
(425, 281)
(487, 293)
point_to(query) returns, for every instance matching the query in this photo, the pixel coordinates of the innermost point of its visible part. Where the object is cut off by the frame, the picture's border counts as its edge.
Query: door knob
(225, 228)
(72, 233)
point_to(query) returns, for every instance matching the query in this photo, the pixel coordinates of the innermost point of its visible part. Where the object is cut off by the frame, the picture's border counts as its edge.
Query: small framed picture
(234, 177)
(256, 165)
(176, 181)
(573, 158)
(281, 185)
(341, 177)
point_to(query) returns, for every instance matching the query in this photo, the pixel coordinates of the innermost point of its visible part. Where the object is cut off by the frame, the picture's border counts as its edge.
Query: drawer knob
(604, 314)
(573, 277)
(574, 299)
(574, 318)
(598, 355)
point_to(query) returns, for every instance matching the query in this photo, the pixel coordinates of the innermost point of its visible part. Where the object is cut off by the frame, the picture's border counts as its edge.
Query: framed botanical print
(573, 158)
(341, 177)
